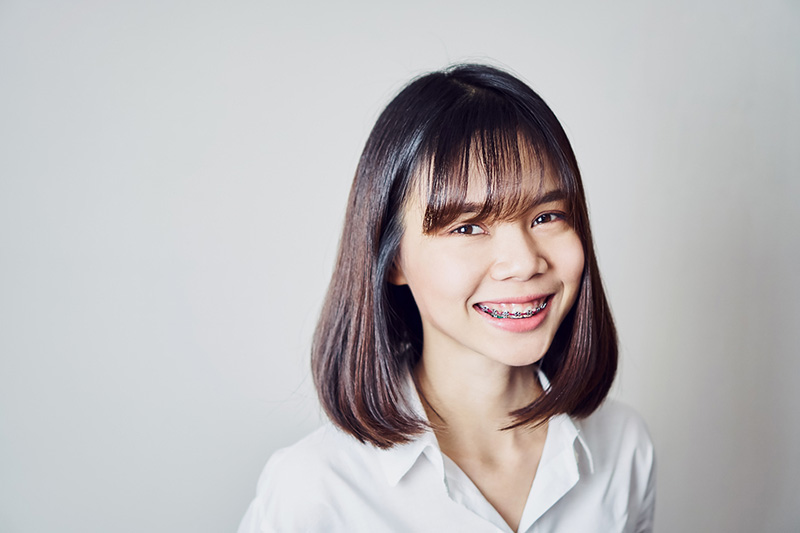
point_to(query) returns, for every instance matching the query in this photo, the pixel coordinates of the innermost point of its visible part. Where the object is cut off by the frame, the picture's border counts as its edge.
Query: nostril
(522, 264)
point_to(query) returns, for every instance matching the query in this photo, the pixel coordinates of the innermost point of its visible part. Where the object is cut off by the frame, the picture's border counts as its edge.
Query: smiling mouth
(514, 311)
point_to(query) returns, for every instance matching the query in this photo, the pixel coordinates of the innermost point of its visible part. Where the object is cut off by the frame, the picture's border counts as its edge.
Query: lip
(517, 325)
(517, 299)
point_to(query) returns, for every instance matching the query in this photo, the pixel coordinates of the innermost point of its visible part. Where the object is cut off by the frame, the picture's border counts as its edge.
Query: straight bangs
(491, 161)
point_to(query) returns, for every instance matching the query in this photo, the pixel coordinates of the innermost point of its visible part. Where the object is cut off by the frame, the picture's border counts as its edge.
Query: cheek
(439, 279)
(572, 262)
(432, 274)
(578, 263)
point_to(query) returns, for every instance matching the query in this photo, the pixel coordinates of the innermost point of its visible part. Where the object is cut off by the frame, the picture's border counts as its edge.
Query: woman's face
(497, 290)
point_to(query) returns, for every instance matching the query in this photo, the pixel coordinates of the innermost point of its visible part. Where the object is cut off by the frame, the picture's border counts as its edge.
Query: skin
(473, 373)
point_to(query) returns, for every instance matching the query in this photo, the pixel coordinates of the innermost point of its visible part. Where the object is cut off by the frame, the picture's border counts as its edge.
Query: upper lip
(516, 299)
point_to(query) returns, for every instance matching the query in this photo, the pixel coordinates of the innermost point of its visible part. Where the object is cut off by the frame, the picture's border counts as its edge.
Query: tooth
(517, 311)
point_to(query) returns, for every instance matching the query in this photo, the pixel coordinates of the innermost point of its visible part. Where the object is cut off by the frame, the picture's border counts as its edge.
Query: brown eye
(547, 217)
(469, 229)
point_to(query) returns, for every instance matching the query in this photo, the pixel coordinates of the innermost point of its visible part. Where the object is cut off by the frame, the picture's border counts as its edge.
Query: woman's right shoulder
(294, 489)
(307, 457)
(312, 462)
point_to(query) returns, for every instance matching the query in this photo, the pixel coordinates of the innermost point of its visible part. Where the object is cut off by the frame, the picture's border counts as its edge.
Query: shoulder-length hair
(369, 334)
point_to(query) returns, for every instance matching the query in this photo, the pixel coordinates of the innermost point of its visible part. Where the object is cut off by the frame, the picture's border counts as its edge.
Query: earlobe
(396, 276)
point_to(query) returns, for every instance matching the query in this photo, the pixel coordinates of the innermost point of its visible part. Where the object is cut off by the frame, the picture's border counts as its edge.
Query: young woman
(466, 346)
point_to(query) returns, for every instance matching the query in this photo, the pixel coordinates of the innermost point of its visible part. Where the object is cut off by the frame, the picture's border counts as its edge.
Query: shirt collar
(569, 428)
(565, 432)
(399, 459)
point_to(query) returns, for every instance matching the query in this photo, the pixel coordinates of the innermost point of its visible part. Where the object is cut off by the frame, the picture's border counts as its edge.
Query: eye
(547, 217)
(469, 229)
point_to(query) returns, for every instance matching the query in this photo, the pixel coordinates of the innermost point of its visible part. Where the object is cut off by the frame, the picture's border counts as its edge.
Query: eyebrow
(555, 195)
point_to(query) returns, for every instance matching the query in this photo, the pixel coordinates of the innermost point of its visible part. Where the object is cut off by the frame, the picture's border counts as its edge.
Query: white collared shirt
(595, 475)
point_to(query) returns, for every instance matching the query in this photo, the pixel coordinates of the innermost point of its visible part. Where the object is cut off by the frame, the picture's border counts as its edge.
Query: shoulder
(311, 456)
(299, 482)
(314, 465)
(616, 427)
(623, 456)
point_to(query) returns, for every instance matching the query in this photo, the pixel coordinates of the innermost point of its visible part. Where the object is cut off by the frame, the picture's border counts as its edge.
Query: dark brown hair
(369, 335)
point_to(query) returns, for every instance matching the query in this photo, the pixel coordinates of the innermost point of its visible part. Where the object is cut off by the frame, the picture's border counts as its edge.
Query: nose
(517, 255)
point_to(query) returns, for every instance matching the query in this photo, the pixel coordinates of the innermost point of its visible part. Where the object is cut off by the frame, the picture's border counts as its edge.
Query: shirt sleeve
(644, 523)
(276, 506)
(254, 520)
(251, 522)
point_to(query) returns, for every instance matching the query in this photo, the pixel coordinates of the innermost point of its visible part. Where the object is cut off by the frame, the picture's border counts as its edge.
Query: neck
(470, 402)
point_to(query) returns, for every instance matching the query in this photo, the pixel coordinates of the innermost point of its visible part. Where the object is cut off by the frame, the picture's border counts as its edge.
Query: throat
(468, 408)
(503, 476)
(475, 402)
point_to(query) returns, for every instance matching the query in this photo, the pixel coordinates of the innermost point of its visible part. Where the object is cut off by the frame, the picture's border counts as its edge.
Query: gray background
(172, 182)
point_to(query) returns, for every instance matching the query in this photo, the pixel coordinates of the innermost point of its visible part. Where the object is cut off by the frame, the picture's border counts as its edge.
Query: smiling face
(489, 287)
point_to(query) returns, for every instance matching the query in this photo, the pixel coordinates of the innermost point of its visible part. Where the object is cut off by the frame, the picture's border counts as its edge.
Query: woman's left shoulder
(616, 429)
(623, 459)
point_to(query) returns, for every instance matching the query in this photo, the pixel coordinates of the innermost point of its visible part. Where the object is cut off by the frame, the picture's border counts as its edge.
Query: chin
(520, 360)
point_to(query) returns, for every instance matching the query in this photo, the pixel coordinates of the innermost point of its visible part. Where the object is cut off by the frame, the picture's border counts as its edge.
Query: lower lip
(518, 325)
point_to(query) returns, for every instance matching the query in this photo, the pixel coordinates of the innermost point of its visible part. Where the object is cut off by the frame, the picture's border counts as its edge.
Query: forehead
(485, 183)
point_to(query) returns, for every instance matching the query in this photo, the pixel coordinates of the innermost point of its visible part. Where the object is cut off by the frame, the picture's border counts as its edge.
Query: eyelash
(544, 218)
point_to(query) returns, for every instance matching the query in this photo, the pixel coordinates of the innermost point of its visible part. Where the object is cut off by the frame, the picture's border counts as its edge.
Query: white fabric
(595, 475)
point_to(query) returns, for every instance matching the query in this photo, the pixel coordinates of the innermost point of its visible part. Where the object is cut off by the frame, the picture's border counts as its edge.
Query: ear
(396, 275)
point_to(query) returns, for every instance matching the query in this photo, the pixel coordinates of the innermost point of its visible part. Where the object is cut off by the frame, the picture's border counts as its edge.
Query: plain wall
(173, 177)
